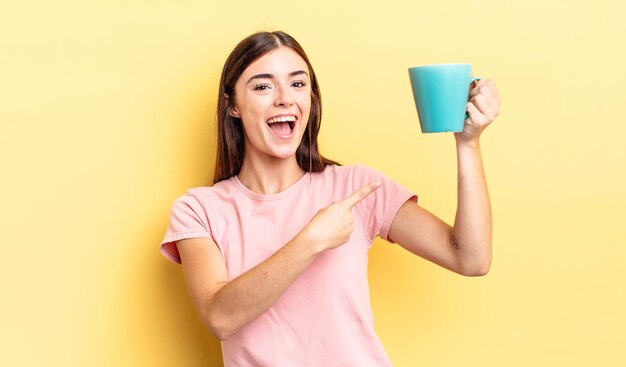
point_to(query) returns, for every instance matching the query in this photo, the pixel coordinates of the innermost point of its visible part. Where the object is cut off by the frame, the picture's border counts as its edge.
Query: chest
(251, 233)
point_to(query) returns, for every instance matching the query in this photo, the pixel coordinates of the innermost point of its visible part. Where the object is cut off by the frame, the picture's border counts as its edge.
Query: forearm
(246, 297)
(471, 236)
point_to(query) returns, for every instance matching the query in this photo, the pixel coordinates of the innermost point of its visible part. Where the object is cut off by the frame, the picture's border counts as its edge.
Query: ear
(234, 112)
(232, 109)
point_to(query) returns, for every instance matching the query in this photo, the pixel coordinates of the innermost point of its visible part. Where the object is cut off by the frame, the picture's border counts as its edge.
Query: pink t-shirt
(324, 318)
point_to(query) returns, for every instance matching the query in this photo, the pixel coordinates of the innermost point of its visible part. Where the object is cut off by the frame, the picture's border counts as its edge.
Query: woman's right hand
(331, 226)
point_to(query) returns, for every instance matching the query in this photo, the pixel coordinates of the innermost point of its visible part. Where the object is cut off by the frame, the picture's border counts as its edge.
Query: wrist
(306, 245)
(470, 144)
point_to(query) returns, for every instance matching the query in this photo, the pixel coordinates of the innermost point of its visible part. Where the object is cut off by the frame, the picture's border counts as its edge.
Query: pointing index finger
(361, 194)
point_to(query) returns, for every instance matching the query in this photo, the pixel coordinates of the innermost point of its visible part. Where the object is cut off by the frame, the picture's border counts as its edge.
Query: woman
(275, 252)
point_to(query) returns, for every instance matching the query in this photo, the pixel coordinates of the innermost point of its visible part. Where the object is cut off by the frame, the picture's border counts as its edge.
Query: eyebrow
(271, 76)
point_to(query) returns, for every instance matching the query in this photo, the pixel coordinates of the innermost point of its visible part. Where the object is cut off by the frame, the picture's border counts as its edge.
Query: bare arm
(471, 236)
(466, 247)
(226, 307)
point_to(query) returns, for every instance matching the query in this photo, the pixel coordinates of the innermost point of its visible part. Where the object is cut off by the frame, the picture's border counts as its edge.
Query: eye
(298, 84)
(262, 87)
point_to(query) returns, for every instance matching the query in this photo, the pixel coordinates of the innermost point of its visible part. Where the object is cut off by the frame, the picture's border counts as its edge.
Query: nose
(284, 98)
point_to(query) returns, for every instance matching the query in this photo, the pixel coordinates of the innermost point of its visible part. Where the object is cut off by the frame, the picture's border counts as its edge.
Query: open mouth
(282, 125)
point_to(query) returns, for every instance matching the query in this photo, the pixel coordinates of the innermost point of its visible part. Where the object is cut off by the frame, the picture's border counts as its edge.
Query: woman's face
(273, 101)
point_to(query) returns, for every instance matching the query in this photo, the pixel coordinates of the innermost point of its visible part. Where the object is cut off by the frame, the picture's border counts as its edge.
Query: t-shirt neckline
(269, 197)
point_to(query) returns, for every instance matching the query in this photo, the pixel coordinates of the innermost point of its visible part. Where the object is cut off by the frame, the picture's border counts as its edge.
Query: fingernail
(377, 183)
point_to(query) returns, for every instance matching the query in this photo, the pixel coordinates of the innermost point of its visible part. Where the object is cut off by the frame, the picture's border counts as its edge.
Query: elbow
(477, 268)
(474, 260)
(219, 324)
(220, 333)
(477, 271)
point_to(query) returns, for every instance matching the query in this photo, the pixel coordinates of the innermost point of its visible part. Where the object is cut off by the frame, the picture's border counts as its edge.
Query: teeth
(281, 119)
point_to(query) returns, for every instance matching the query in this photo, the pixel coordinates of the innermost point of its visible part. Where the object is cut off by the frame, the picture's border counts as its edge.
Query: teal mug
(440, 93)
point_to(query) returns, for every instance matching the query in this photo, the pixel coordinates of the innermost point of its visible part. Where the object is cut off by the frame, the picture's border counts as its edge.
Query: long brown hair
(230, 140)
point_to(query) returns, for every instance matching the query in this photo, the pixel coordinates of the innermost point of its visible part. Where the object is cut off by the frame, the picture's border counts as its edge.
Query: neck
(269, 175)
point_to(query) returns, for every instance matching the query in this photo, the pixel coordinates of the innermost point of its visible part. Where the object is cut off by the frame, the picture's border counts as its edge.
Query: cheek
(307, 112)
(305, 104)
(253, 114)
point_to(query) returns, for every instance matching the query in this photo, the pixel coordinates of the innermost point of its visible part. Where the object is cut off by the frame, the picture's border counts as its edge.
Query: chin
(285, 155)
(284, 152)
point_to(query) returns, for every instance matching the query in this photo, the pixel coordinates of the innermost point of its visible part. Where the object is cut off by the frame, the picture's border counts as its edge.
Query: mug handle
(474, 79)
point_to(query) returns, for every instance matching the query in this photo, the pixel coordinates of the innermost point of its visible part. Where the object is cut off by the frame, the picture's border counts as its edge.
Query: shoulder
(356, 172)
(344, 180)
(347, 170)
(202, 195)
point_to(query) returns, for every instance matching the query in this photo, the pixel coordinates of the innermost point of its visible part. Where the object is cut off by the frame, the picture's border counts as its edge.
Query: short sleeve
(378, 210)
(188, 219)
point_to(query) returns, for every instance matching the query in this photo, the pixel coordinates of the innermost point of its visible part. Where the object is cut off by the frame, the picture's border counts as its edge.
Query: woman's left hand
(483, 107)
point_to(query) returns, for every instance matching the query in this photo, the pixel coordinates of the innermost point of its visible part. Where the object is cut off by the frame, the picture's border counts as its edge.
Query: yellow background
(107, 115)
